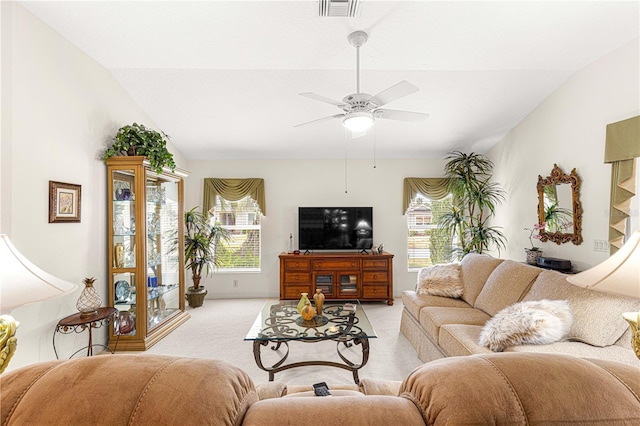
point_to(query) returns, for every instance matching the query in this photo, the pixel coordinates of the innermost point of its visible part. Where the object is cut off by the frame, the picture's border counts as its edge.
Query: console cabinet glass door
(146, 260)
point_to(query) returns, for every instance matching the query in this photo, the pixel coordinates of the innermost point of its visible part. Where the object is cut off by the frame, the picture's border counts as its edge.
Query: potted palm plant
(136, 139)
(200, 241)
(474, 202)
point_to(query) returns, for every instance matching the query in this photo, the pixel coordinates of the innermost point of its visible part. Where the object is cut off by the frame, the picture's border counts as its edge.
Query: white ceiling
(222, 78)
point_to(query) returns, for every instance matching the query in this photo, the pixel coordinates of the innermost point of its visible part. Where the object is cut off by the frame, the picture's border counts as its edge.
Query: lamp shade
(358, 121)
(619, 274)
(22, 282)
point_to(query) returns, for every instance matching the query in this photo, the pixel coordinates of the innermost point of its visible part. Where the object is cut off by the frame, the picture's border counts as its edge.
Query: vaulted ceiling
(223, 78)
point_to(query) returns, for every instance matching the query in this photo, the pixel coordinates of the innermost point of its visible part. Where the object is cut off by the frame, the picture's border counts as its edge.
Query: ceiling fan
(362, 109)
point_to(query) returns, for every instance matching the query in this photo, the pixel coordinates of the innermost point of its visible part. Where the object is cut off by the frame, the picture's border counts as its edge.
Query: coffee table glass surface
(280, 320)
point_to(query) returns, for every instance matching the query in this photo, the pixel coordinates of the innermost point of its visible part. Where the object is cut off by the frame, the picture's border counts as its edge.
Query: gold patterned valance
(432, 188)
(621, 150)
(233, 190)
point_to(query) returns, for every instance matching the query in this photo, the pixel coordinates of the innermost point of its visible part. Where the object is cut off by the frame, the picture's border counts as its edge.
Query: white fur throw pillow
(440, 280)
(536, 322)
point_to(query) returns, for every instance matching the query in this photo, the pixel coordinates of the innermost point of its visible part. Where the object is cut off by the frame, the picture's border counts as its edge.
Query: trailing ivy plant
(474, 202)
(136, 139)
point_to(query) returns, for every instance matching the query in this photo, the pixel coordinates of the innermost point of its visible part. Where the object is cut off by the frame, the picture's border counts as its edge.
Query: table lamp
(619, 274)
(21, 283)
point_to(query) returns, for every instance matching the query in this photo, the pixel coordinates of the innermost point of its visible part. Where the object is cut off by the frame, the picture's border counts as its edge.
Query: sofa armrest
(380, 387)
(525, 388)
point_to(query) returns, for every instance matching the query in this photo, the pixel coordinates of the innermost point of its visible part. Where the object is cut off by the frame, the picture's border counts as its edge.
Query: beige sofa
(439, 327)
(513, 389)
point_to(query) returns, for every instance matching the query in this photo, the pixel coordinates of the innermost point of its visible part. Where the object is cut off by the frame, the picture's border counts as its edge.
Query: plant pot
(195, 297)
(532, 256)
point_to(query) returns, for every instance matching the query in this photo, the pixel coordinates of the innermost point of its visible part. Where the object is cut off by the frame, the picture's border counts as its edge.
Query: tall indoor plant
(474, 200)
(200, 241)
(137, 139)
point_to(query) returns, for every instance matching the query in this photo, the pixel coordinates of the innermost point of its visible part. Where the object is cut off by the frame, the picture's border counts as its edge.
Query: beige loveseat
(513, 389)
(439, 327)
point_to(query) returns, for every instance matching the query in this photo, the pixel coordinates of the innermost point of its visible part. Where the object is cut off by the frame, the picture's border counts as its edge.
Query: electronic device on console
(554, 263)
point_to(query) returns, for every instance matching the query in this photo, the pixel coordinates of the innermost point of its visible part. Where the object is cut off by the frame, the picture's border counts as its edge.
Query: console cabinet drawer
(375, 277)
(336, 264)
(295, 291)
(297, 277)
(297, 265)
(375, 291)
(375, 264)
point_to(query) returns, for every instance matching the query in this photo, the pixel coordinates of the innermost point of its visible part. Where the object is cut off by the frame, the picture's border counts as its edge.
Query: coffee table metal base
(280, 365)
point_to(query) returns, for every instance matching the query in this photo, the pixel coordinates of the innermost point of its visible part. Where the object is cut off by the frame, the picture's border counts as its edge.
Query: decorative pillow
(440, 280)
(536, 322)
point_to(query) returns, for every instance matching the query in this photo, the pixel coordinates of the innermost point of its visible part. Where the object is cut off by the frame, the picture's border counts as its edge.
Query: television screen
(335, 228)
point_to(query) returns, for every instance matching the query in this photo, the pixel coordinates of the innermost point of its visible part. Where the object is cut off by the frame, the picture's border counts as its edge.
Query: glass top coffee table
(280, 323)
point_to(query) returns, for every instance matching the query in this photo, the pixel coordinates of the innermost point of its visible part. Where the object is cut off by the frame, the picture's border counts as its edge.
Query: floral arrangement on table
(536, 229)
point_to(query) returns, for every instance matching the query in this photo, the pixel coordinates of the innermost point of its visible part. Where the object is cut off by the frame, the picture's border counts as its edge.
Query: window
(242, 219)
(426, 244)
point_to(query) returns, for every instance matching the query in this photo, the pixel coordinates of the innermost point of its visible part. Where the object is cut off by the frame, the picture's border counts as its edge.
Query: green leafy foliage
(475, 199)
(200, 241)
(136, 139)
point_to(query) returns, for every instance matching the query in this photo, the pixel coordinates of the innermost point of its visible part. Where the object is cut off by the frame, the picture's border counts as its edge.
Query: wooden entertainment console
(366, 277)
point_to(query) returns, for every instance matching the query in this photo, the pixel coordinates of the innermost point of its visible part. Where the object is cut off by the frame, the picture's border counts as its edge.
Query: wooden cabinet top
(333, 254)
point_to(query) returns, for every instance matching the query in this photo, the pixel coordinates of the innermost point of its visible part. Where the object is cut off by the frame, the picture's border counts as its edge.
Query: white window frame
(412, 226)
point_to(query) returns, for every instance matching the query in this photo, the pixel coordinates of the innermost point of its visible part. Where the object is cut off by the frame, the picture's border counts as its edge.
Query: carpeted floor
(218, 328)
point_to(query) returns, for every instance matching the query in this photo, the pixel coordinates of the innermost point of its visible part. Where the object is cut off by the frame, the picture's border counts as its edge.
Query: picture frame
(64, 202)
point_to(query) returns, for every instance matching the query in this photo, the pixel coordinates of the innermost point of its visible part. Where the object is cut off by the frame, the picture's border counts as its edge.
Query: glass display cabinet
(146, 260)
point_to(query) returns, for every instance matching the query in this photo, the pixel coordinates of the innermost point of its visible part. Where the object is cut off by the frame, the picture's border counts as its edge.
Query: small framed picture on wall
(64, 202)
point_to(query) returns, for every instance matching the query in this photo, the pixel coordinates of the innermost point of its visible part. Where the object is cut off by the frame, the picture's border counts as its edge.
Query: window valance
(621, 150)
(432, 188)
(233, 190)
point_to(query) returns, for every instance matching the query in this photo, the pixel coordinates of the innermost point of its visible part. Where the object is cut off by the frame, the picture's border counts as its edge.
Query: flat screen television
(335, 228)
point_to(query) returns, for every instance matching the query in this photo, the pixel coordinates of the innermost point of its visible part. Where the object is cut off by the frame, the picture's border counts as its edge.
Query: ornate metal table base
(280, 324)
(279, 365)
(77, 323)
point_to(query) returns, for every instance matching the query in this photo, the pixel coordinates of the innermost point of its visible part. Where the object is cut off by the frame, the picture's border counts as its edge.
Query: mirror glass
(559, 207)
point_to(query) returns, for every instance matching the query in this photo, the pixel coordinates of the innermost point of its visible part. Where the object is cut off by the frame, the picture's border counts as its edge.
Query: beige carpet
(218, 328)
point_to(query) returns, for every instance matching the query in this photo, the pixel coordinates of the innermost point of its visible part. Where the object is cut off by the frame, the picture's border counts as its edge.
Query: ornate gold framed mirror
(559, 207)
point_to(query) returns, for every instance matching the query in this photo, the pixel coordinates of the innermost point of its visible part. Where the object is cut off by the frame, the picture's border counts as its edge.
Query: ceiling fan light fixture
(358, 121)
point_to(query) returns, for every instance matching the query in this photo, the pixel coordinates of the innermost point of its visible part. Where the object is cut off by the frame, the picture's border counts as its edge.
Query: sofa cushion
(475, 269)
(505, 286)
(461, 340)
(440, 280)
(127, 389)
(524, 389)
(597, 317)
(582, 350)
(414, 302)
(536, 322)
(432, 318)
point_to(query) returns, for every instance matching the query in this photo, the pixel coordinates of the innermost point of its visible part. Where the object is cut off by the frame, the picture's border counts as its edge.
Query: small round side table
(77, 323)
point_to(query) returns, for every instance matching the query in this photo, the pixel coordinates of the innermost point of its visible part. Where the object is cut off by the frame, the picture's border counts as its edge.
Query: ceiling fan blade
(394, 114)
(320, 119)
(323, 99)
(397, 91)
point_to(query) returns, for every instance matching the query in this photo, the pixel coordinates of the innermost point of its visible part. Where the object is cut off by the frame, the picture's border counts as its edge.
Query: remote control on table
(321, 389)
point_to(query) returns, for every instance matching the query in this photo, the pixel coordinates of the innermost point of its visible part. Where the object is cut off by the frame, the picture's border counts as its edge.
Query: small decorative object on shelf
(308, 313)
(303, 301)
(89, 300)
(319, 299)
(380, 249)
(534, 252)
(118, 255)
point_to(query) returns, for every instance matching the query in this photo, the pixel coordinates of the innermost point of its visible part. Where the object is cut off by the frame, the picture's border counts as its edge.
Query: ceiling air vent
(339, 8)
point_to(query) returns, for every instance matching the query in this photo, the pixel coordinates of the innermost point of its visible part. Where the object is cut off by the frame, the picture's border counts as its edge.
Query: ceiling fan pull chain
(374, 146)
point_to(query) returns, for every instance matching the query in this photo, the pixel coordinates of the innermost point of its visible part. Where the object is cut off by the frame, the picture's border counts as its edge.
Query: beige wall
(291, 184)
(568, 128)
